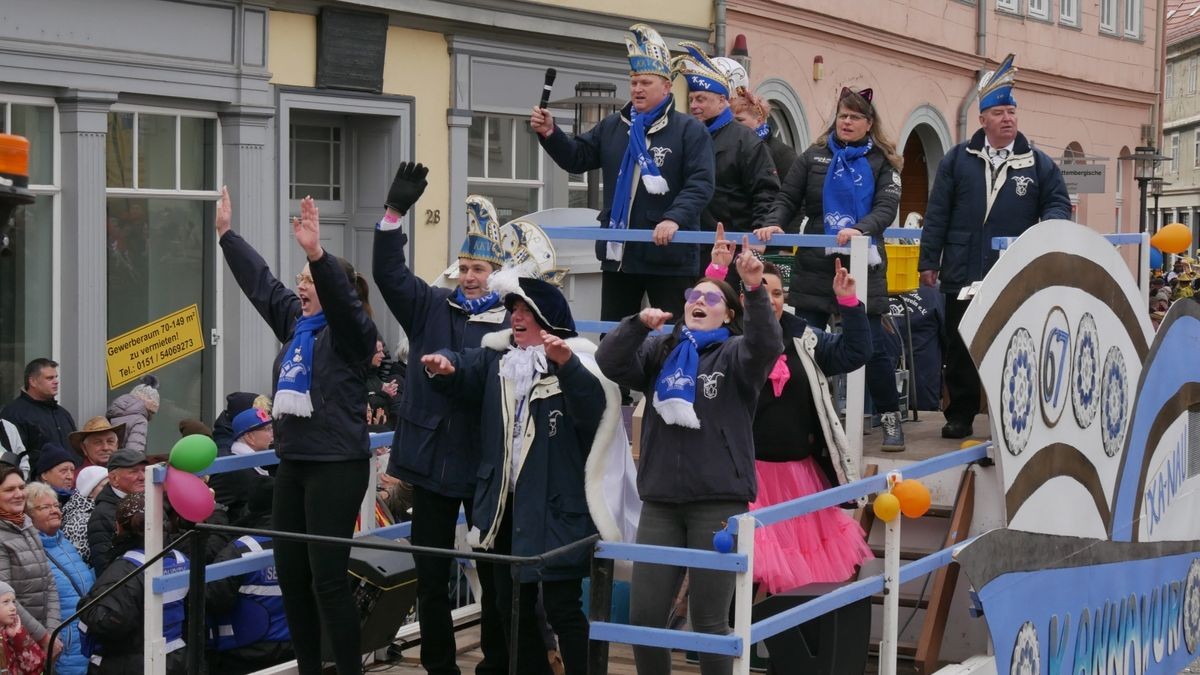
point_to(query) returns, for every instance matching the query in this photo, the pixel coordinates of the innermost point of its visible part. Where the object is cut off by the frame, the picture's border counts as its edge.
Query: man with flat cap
(126, 475)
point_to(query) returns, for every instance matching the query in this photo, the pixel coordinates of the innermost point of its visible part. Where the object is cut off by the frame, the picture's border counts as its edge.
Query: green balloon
(193, 453)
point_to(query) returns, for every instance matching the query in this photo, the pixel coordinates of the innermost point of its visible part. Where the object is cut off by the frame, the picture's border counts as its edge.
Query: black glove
(407, 187)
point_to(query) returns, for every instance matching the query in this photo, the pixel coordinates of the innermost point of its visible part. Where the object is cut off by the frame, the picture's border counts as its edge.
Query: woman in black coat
(866, 187)
(320, 396)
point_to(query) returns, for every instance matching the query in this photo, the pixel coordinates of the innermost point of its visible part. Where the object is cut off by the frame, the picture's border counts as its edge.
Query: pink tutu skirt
(824, 546)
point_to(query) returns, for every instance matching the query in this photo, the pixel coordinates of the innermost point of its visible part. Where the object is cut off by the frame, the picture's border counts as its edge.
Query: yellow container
(902, 275)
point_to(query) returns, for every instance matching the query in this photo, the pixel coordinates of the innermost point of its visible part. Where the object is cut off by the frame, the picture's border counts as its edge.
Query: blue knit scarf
(763, 130)
(717, 123)
(296, 371)
(849, 185)
(636, 155)
(675, 390)
(478, 305)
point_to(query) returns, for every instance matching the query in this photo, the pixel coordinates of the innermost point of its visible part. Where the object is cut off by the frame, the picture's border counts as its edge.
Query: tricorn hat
(547, 302)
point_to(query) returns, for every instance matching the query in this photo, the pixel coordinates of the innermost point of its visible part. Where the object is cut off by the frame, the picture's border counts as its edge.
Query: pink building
(1088, 86)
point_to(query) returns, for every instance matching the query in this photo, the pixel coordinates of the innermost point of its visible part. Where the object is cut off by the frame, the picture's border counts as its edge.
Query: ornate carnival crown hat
(735, 73)
(700, 72)
(995, 88)
(483, 232)
(528, 250)
(648, 53)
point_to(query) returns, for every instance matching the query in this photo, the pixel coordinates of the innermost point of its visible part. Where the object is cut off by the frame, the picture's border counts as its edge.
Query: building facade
(1087, 86)
(140, 110)
(1180, 200)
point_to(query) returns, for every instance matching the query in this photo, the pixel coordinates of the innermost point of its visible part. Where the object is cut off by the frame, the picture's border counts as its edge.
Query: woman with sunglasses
(320, 430)
(697, 462)
(848, 184)
(799, 445)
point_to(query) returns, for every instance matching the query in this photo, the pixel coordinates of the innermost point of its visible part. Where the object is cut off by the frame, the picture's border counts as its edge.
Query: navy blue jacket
(342, 351)
(550, 506)
(437, 439)
(683, 151)
(957, 236)
(715, 462)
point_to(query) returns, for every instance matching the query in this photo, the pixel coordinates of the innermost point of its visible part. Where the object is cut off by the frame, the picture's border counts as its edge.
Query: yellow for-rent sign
(150, 347)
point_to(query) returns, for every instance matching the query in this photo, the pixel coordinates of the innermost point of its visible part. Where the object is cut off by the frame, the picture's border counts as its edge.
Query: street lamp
(593, 101)
(1156, 191)
(1145, 165)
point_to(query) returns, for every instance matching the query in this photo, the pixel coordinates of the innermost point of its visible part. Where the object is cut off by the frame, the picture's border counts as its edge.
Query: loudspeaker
(832, 644)
(384, 587)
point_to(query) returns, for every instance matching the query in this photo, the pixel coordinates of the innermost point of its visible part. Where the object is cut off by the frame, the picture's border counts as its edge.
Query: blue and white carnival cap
(996, 86)
(648, 53)
(699, 71)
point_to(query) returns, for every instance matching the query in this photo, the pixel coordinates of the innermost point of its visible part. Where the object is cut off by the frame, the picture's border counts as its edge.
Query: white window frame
(1038, 9)
(1169, 81)
(1109, 10)
(1196, 148)
(1068, 12)
(1009, 6)
(53, 190)
(335, 209)
(136, 191)
(1191, 67)
(1133, 19)
(1175, 153)
(538, 183)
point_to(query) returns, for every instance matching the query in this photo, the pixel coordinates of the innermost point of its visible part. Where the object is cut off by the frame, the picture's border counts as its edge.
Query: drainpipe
(1160, 57)
(981, 51)
(719, 27)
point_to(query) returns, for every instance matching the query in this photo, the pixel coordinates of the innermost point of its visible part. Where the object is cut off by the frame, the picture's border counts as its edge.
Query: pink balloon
(189, 495)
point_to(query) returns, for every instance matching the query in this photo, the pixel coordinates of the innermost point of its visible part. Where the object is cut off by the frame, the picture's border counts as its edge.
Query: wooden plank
(933, 629)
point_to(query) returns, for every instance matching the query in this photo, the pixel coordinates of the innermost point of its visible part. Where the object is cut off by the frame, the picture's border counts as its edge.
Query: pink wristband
(847, 300)
(715, 271)
(391, 218)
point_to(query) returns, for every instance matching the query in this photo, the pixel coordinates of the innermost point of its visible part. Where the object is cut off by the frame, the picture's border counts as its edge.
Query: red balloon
(189, 495)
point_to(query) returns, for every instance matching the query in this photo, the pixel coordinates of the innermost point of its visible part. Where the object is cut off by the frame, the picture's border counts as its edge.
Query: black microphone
(550, 75)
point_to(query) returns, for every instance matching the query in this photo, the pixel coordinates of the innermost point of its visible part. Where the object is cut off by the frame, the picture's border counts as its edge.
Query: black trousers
(319, 498)
(563, 603)
(434, 518)
(962, 379)
(621, 294)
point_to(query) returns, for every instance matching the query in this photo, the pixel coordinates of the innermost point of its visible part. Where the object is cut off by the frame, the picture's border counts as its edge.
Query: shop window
(162, 185)
(504, 163)
(27, 263)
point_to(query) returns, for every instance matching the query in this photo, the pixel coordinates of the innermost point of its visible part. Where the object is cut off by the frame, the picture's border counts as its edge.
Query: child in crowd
(19, 653)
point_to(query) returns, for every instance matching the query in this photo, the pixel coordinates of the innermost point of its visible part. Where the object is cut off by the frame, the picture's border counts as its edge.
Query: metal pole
(743, 594)
(599, 609)
(891, 591)
(196, 638)
(856, 381)
(154, 644)
(1142, 184)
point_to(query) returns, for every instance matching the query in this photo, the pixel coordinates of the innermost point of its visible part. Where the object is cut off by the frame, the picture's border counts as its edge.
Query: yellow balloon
(968, 443)
(1173, 238)
(886, 507)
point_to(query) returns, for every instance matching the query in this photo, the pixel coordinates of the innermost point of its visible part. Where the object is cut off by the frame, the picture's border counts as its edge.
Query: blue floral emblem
(1085, 384)
(1026, 658)
(1017, 391)
(1114, 404)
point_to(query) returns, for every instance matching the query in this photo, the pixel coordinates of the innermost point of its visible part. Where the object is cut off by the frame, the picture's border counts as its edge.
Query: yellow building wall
(696, 13)
(416, 64)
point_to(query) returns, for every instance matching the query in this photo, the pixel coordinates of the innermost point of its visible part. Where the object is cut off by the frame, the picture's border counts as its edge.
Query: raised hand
(224, 212)
(749, 267)
(437, 364)
(845, 234)
(407, 187)
(844, 285)
(542, 122)
(307, 229)
(654, 318)
(557, 349)
(722, 250)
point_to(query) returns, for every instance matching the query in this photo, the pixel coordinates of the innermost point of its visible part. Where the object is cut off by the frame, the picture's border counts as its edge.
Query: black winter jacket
(811, 286)
(102, 527)
(683, 151)
(39, 422)
(715, 462)
(969, 206)
(746, 181)
(437, 438)
(337, 429)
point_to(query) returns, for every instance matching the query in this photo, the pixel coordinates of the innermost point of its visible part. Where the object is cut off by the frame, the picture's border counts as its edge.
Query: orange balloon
(886, 507)
(914, 497)
(1173, 238)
